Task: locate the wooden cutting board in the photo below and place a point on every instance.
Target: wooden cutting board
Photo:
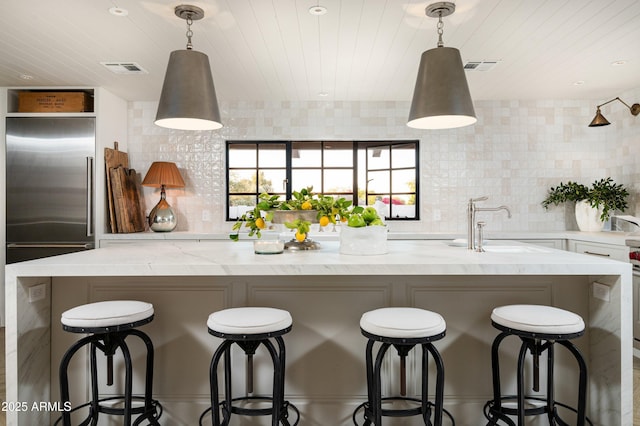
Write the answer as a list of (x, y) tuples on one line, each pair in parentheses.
[(128, 212), (112, 159)]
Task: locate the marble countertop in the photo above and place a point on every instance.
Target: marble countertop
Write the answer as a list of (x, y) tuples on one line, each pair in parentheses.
[(227, 258)]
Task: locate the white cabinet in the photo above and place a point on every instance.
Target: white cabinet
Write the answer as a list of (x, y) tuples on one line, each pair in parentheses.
[(609, 251)]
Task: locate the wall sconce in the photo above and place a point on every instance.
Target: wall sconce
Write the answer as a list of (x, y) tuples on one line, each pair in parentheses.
[(599, 119), (163, 175), (441, 98), (188, 98)]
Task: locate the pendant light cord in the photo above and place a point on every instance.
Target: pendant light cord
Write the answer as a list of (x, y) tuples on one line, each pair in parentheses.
[(189, 32), (440, 30)]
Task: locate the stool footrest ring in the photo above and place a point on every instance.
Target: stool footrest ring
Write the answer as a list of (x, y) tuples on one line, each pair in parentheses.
[(398, 412), (256, 411), (152, 415), (493, 416)]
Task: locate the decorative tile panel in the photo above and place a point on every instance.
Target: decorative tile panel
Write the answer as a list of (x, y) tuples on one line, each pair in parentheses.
[(514, 153)]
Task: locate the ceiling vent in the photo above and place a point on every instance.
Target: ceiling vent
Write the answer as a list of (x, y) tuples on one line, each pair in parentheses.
[(480, 66), (124, 68)]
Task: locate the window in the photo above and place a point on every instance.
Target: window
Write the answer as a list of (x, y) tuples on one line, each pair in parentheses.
[(380, 173)]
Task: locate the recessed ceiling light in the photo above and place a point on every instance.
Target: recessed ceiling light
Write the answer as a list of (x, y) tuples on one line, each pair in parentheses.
[(118, 11), (618, 63), (323, 94), (317, 10), (578, 83), (26, 77)]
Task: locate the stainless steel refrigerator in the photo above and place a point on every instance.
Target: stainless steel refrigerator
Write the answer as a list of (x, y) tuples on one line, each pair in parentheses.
[(50, 186)]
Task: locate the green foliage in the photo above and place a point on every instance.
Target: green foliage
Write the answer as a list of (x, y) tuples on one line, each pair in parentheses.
[(603, 192), (303, 226), (253, 219), (238, 185), (332, 207), (301, 200)]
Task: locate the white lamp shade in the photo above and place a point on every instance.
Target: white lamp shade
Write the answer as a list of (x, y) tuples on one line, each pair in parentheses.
[(188, 99), (441, 99)]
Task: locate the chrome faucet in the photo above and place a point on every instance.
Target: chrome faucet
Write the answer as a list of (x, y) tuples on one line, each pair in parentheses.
[(471, 218)]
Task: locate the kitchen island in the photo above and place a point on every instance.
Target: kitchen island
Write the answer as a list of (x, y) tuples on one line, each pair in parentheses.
[(326, 293)]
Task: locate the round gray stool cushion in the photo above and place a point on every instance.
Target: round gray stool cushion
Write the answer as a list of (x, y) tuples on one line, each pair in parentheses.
[(107, 314), (251, 320), (402, 323), (538, 319)]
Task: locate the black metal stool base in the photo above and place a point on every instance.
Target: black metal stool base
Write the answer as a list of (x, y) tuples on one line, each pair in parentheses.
[(108, 342), (252, 412), (407, 412), (373, 410), (151, 415), (536, 344), (494, 415), (221, 411)]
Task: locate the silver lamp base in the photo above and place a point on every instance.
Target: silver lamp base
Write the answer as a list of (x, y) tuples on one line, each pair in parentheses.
[(162, 218)]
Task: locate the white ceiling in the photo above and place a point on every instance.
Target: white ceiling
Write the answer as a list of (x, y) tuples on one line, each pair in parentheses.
[(361, 50)]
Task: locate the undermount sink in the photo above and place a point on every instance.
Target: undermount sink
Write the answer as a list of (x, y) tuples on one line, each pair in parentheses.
[(493, 247)]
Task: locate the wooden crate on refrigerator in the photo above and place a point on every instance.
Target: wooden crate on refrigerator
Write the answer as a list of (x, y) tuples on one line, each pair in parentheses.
[(55, 102)]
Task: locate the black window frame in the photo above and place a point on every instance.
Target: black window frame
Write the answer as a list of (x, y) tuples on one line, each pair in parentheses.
[(357, 145)]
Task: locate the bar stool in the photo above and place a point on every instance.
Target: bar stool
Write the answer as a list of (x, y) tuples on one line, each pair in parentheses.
[(402, 328), (249, 328), (108, 325), (539, 328)]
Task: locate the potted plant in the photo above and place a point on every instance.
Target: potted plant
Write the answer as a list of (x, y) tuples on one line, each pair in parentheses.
[(254, 219), (297, 214), (331, 209), (593, 205)]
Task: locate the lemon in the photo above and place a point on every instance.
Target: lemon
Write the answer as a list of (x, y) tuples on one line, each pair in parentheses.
[(260, 223), (300, 236), (324, 221), (306, 205)]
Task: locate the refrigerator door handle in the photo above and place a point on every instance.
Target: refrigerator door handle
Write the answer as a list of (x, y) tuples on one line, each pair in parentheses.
[(20, 245), (90, 173)]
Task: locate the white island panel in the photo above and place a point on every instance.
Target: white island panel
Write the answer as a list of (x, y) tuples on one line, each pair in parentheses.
[(326, 293)]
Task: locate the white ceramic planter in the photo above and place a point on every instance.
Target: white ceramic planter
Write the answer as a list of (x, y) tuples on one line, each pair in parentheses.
[(588, 218), (368, 240)]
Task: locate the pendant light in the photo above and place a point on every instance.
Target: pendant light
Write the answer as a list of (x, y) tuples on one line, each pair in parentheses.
[(441, 98), (599, 119), (188, 98)]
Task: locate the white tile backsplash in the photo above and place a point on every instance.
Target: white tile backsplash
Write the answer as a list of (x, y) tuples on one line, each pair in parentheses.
[(514, 153)]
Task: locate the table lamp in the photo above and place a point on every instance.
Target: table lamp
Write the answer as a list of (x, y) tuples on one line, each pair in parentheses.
[(163, 174)]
